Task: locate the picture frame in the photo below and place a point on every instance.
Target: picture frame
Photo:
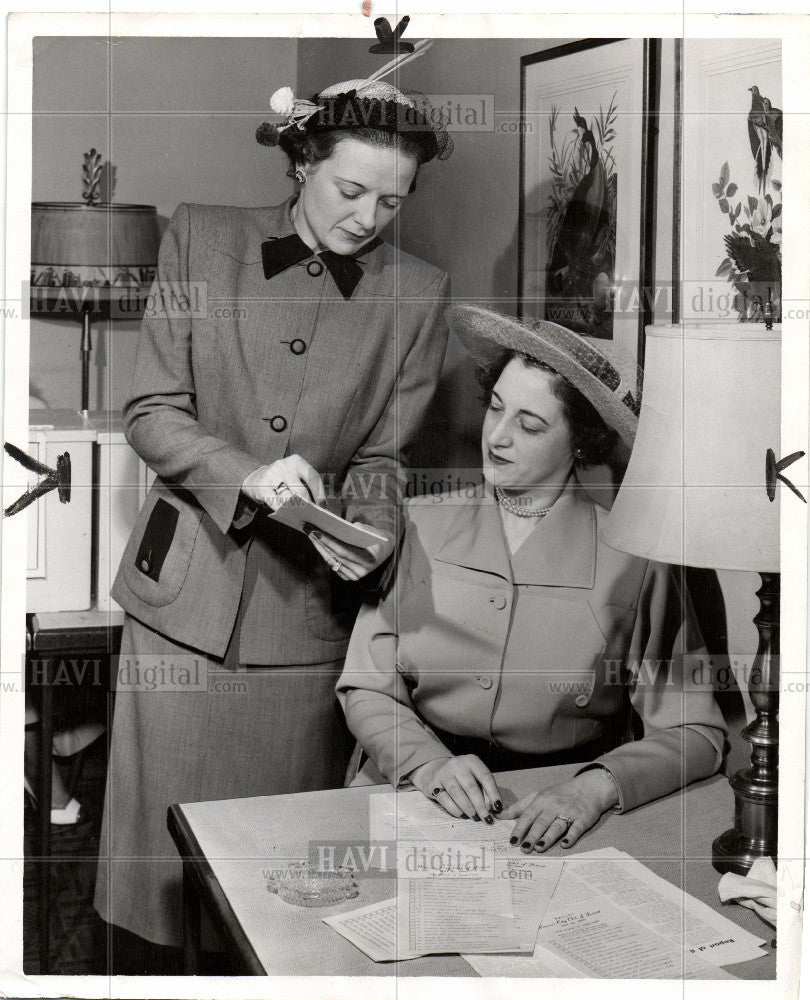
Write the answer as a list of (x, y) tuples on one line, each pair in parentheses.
[(729, 198), (589, 111)]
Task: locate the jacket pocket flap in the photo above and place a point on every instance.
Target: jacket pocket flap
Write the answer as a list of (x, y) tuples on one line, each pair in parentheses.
[(157, 539)]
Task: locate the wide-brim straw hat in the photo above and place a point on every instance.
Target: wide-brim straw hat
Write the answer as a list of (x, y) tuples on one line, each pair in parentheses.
[(603, 372)]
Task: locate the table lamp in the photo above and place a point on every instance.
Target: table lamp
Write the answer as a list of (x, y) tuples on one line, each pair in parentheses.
[(701, 490), (92, 259)]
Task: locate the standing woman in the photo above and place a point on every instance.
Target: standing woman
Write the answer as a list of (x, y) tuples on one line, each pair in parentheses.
[(311, 366)]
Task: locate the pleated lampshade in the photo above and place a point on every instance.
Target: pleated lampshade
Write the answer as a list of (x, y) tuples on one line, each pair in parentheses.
[(92, 259), (99, 246), (696, 491)]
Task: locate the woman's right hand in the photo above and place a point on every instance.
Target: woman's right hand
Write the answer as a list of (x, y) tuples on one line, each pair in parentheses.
[(267, 484), (463, 786)]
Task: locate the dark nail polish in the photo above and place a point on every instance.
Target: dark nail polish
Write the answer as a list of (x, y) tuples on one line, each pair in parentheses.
[(525, 846), (464, 816), (436, 791), (513, 841), (498, 806), (489, 819), (477, 819), (541, 843)]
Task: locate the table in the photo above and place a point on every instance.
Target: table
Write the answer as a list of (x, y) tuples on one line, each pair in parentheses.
[(227, 848), (79, 645)]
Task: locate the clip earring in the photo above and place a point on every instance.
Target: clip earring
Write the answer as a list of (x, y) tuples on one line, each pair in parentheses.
[(300, 176)]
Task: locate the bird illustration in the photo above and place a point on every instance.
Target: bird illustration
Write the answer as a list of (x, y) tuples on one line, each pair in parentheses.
[(586, 216), (754, 256), (388, 39), (772, 122), (580, 271), (764, 133)]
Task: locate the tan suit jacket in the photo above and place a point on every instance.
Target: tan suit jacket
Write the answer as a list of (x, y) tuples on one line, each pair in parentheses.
[(254, 370), (540, 653)]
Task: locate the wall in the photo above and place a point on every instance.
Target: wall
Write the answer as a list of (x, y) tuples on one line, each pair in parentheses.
[(176, 117)]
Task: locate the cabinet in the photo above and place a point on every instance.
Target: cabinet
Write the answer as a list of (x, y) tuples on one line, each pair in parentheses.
[(59, 576), (74, 548)]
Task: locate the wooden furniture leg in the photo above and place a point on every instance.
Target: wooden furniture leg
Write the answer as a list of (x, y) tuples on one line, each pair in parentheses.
[(192, 941)]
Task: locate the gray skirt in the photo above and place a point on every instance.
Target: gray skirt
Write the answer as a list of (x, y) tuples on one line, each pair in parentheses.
[(186, 729)]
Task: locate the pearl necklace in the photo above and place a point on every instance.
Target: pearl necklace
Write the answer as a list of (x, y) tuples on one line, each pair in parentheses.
[(519, 509)]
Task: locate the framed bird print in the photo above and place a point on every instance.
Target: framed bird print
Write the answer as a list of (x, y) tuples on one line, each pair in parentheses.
[(731, 202), (586, 164)]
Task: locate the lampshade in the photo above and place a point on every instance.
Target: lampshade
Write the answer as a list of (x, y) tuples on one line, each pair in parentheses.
[(99, 246), (695, 492)]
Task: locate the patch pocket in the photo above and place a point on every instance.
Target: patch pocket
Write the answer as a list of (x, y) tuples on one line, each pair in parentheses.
[(156, 560)]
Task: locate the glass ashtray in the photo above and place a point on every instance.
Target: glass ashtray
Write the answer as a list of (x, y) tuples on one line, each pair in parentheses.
[(301, 885)]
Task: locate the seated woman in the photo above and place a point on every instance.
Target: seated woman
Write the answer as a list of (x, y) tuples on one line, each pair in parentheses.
[(512, 637)]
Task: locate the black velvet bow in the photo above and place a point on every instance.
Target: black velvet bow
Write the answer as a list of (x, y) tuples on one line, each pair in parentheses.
[(279, 254)]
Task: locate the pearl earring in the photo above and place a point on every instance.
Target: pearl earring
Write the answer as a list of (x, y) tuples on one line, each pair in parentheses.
[(300, 176)]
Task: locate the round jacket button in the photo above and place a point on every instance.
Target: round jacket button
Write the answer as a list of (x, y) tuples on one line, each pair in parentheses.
[(499, 601), (278, 423), (298, 346), (484, 681), (581, 700), (315, 268)]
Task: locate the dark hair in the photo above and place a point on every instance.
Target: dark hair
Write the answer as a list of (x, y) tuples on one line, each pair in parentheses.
[(385, 122), (592, 441), (315, 147)]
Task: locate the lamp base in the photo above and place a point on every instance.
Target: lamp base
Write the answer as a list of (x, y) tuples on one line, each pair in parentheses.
[(756, 790), (731, 852), (754, 834)]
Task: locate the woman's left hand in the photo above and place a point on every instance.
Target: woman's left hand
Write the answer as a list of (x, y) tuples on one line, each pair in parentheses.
[(348, 561), (563, 812)]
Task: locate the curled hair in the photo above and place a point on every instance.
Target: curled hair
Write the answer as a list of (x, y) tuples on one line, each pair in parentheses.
[(409, 125), (592, 440), (310, 148)]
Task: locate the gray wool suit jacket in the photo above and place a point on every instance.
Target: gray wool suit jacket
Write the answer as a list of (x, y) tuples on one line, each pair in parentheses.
[(238, 371)]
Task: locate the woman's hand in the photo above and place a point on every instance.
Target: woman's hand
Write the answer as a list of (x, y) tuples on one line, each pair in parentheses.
[(269, 484), (348, 561), (563, 811), (463, 786)]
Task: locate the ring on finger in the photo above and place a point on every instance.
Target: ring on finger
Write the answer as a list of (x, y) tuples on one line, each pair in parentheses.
[(337, 565), (544, 839)]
